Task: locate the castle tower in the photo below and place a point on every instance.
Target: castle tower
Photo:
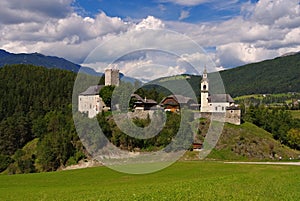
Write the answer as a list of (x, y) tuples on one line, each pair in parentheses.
[(112, 77), (204, 92)]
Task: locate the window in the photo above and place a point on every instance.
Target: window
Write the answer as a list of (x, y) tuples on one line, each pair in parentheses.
[(223, 108), (216, 108)]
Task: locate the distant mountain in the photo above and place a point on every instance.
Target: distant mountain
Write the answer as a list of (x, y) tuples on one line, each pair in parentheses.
[(289, 54), (279, 75), (37, 59)]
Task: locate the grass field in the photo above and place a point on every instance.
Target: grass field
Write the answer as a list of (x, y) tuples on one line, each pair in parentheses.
[(182, 181), (295, 113)]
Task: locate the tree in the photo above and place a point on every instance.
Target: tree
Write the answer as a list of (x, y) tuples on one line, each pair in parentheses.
[(293, 138), (106, 94)]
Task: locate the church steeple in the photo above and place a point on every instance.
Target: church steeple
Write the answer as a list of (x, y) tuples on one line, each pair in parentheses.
[(204, 92), (204, 75), (204, 81)]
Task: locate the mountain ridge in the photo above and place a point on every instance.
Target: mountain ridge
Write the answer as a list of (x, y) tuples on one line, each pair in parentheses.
[(278, 75), (37, 59)]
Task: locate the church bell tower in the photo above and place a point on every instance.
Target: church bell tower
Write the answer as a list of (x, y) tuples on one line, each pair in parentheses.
[(204, 92)]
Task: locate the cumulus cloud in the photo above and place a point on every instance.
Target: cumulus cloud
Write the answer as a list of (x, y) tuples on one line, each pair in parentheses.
[(15, 11), (148, 54), (264, 30), (150, 23), (72, 37), (240, 53), (184, 14), (269, 12)]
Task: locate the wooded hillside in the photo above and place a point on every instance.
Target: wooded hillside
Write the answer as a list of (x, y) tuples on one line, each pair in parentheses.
[(279, 75), (36, 103)]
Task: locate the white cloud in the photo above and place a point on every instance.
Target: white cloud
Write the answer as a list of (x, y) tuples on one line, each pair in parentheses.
[(184, 14), (265, 30), (15, 11), (241, 53), (150, 23), (268, 12), (68, 37)]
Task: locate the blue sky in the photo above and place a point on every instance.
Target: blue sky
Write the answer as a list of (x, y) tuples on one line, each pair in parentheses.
[(228, 33), (165, 10)]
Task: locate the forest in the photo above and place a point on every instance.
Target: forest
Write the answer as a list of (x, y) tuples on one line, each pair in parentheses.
[(36, 104), (278, 121)]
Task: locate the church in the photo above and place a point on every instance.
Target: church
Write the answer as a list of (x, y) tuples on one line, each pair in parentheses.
[(218, 104)]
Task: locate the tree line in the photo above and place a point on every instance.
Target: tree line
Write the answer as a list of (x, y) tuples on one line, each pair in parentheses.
[(278, 121)]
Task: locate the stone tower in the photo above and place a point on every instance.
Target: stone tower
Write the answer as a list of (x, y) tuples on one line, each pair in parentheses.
[(112, 77), (204, 92)]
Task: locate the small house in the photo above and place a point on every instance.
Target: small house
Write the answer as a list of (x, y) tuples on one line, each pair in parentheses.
[(173, 103), (140, 103)]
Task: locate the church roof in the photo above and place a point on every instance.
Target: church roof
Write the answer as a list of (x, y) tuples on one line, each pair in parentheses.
[(92, 90), (220, 98)]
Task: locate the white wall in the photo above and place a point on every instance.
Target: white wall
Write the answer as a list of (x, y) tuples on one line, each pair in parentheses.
[(218, 107), (91, 104)]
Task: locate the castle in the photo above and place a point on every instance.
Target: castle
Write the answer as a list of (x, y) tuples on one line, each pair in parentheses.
[(90, 102)]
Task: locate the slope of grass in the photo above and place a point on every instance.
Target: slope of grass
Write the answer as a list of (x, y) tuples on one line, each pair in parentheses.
[(295, 114), (249, 142), (181, 181)]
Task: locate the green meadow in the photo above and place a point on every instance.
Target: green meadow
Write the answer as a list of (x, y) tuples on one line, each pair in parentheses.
[(295, 114), (191, 180)]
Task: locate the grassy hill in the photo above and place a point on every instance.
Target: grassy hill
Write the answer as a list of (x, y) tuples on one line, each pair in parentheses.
[(181, 181), (295, 114), (249, 142)]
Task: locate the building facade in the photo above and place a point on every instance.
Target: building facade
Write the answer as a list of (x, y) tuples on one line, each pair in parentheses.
[(90, 102)]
